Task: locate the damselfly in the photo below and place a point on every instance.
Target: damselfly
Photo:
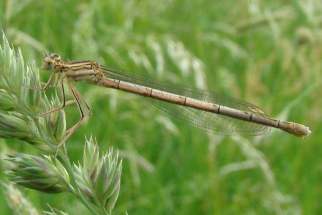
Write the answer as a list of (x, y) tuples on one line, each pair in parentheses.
[(202, 109)]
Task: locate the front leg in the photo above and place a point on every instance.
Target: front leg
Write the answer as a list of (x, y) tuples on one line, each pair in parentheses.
[(49, 82), (64, 100)]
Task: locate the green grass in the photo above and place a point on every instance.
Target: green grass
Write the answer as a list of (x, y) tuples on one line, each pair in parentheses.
[(266, 53)]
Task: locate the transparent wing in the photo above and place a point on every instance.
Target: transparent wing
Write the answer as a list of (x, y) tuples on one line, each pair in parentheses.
[(210, 122)]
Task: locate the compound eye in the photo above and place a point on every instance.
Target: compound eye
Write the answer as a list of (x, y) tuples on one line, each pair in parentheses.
[(47, 65), (55, 56)]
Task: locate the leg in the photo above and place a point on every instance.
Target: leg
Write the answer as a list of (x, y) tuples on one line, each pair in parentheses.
[(64, 101), (83, 115), (44, 87), (50, 80)]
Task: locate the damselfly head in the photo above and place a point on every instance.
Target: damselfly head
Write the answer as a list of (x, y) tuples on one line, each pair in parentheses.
[(50, 60)]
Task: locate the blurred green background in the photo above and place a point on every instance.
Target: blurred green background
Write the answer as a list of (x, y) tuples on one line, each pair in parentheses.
[(265, 52)]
